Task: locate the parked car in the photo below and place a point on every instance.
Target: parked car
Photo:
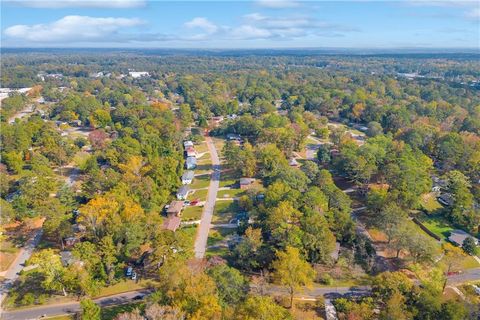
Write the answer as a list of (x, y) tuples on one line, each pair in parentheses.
[(129, 271), (186, 203), (194, 202), (134, 275)]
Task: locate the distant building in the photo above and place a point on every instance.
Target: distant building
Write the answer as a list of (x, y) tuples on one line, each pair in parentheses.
[(76, 123), (293, 162), (172, 223), (183, 192), (246, 183), (191, 163), (187, 177), (234, 137), (458, 236), (138, 74)]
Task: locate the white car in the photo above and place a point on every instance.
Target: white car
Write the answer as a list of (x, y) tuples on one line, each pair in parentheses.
[(134, 275)]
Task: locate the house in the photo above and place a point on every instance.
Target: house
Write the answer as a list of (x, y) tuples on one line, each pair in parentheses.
[(76, 123), (187, 177), (293, 162), (446, 199), (183, 192), (191, 152), (458, 236), (68, 259), (138, 74), (172, 223), (191, 163), (246, 183), (234, 137), (187, 144), (175, 208)]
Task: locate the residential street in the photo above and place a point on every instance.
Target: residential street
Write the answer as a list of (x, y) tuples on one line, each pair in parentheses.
[(69, 307), (12, 273), (204, 227)]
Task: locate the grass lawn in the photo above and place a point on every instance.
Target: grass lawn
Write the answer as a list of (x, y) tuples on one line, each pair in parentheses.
[(122, 286), (229, 179), (201, 147), (64, 317), (189, 233), (199, 182), (222, 252), (219, 234), (198, 194), (8, 253), (231, 193), (192, 213), (436, 224), (224, 211), (429, 202), (111, 312)]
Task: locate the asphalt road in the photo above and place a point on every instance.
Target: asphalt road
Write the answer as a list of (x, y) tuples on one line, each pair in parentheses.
[(12, 273), (204, 227), (69, 307)]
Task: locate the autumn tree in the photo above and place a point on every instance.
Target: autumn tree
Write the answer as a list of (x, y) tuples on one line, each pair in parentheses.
[(292, 271)]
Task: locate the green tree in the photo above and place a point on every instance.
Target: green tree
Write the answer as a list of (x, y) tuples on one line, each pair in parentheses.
[(89, 310), (231, 284), (469, 246)]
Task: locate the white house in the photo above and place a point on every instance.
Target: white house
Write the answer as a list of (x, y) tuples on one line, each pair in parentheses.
[(187, 177), (138, 74)]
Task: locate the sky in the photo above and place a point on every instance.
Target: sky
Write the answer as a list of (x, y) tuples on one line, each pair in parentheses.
[(240, 24)]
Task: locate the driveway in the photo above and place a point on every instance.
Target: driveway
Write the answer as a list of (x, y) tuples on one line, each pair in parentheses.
[(204, 227)]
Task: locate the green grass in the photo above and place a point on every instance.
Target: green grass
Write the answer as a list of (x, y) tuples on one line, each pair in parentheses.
[(224, 211), (201, 148), (189, 233), (122, 286), (199, 182), (199, 194), (192, 213), (222, 252), (231, 193), (429, 202), (437, 225), (218, 234), (228, 179), (111, 312)]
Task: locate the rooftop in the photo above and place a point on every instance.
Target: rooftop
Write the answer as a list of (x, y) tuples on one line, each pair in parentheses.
[(175, 207)]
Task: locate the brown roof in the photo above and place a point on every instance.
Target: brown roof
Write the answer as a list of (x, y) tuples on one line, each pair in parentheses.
[(172, 223), (175, 207)]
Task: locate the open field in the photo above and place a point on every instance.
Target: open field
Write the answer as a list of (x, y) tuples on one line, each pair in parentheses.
[(429, 202), (230, 193), (436, 224), (200, 182)]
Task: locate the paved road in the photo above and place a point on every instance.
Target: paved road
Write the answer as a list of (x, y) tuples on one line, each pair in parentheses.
[(12, 273), (465, 276), (204, 228), (69, 307)]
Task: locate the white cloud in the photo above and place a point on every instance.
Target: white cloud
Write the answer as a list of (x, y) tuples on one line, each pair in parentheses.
[(278, 4), (246, 32), (73, 29), (79, 3), (203, 24)]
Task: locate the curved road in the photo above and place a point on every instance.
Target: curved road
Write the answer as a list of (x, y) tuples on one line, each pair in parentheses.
[(204, 227)]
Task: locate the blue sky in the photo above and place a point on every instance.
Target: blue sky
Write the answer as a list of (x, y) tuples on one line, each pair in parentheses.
[(241, 24)]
